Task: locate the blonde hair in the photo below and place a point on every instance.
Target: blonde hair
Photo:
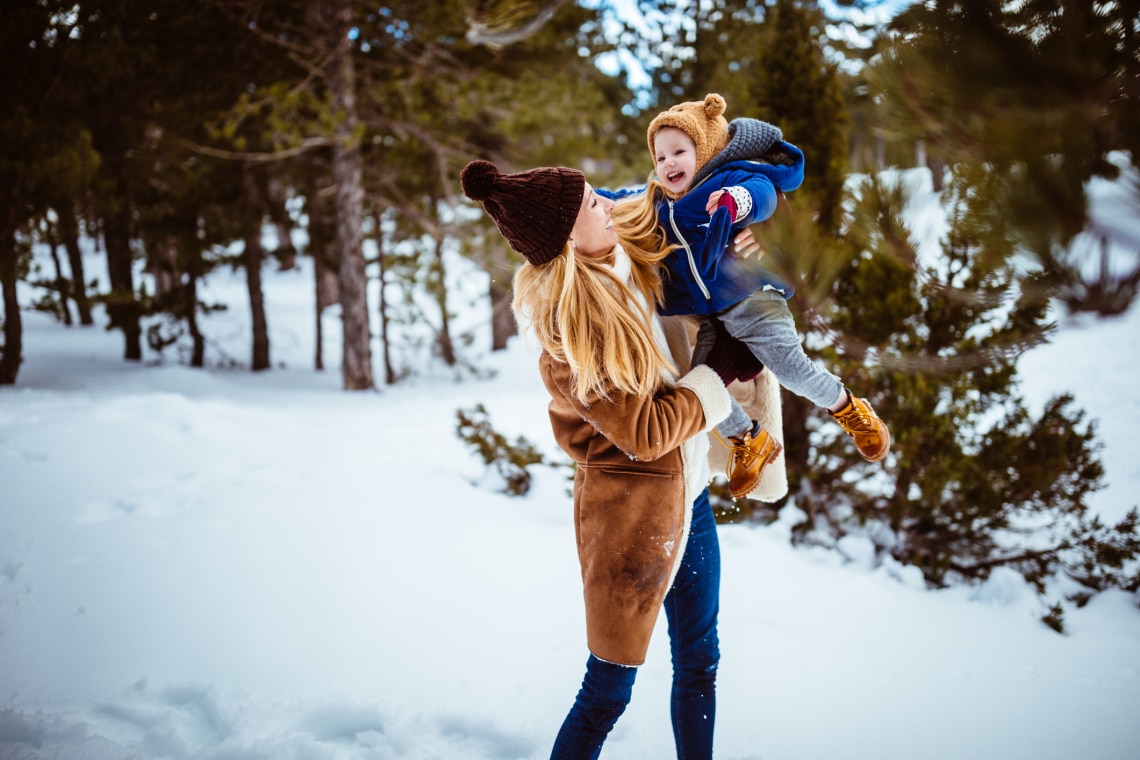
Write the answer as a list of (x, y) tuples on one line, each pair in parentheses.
[(635, 220), (582, 314)]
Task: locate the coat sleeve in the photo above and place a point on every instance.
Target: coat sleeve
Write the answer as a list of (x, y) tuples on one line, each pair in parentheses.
[(721, 227), (763, 194), (617, 195), (644, 428)]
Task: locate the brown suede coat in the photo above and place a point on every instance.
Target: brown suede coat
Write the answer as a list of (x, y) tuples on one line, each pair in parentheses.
[(630, 510)]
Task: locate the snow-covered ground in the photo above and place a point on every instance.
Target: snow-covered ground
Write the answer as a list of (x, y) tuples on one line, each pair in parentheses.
[(218, 565)]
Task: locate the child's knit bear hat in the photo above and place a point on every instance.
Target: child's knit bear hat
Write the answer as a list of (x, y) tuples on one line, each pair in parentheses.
[(702, 120)]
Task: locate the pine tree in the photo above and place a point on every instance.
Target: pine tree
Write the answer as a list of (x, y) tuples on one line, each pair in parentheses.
[(770, 60), (974, 480), (69, 238), (1045, 92), (46, 148), (116, 70), (796, 88), (774, 57), (540, 100)]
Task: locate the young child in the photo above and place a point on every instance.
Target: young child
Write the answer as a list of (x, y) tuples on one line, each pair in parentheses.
[(713, 178)]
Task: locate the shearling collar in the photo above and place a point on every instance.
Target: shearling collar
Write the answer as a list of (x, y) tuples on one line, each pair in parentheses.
[(621, 266)]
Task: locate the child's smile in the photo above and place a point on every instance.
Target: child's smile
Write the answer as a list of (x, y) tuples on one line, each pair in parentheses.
[(676, 155)]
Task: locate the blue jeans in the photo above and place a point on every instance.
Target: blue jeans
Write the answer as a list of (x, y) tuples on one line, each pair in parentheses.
[(691, 610)]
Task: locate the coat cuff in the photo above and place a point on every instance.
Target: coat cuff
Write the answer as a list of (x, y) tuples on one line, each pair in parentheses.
[(710, 391), (743, 201)]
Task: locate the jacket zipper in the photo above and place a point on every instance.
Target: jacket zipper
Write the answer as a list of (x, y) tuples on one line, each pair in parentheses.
[(689, 253)]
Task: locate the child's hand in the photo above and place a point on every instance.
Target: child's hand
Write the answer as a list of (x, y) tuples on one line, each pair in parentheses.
[(714, 201), (722, 199)]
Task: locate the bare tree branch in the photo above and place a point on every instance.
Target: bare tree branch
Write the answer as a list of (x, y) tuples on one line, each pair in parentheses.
[(498, 31), (262, 157)]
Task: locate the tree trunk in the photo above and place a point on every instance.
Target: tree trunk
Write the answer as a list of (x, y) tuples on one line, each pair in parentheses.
[(796, 410), (389, 372), (321, 233), (13, 329), (123, 308), (198, 341), (286, 253), (60, 281), (328, 290), (163, 267), (937, 173), (347, 170), (190, 303), (446, 347), (252, 257), (69, 233), (502, 318)]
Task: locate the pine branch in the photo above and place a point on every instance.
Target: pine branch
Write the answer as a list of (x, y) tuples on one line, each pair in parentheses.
[(1039, 556), (999, 351)]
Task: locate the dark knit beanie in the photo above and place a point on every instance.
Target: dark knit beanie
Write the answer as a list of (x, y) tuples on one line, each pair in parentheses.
[(535, 210), (702, 120)]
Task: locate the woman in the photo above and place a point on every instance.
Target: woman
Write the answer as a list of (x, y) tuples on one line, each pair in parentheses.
[(643, 522)]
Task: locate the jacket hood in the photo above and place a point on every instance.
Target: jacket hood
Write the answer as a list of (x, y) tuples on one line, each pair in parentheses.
[(748, 139)]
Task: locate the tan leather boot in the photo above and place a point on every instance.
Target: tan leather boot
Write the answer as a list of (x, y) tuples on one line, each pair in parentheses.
[(747, 460), (861, 423)]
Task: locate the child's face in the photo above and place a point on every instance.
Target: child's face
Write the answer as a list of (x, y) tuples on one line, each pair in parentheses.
[(676, 159)]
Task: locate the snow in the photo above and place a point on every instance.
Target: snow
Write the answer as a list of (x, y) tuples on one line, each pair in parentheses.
[(217, 565)]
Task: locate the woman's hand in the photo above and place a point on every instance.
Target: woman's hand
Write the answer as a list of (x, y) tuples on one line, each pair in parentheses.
[(744, 245)]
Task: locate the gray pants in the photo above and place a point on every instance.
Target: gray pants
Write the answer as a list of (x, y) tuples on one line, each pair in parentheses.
[(765, 324)]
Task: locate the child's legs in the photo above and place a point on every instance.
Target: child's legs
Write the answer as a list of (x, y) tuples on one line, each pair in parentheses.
[(706, 338), (738, 422), (765, 324), (606, 690)]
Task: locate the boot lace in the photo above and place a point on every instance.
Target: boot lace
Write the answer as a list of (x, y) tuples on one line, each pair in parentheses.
[(739, 452), (856, 419)]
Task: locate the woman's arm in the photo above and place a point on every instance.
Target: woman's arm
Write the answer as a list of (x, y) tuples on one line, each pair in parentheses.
[(644, 428)]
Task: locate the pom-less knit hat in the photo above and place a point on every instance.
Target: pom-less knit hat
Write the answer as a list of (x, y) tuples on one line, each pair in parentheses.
[(702, 120), (535, 210)]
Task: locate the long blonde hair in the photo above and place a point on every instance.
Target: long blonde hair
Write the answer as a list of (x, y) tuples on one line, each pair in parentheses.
[(582, 314), (635, 219)]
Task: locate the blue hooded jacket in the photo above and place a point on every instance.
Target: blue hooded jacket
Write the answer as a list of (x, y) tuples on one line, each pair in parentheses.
[(702, 277)]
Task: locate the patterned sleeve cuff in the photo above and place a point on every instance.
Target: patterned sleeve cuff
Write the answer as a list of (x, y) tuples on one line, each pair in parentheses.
[(743, 202)]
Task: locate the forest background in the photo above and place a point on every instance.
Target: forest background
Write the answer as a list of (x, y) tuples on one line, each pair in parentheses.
[(174, 135)]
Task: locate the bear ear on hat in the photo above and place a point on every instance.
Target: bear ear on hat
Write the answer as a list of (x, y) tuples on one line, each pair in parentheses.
[(714, 105)]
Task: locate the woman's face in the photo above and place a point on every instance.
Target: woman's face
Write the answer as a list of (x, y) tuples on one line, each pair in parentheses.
[(593, 234), (676, 159)]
